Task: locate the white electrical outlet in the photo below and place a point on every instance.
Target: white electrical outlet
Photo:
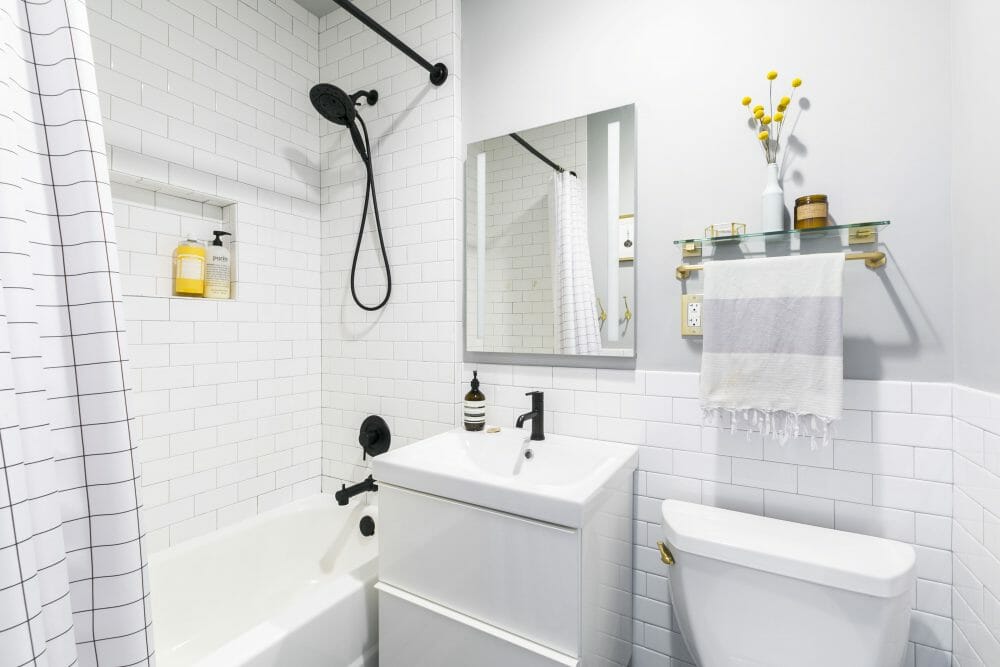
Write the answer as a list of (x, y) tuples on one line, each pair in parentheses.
[(691, 308), (694, 314)]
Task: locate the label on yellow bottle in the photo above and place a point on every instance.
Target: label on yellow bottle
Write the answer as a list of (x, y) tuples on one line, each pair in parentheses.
[(190, 267)]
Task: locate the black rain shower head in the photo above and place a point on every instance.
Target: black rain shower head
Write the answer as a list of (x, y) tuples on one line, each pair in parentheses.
[(341, 109), (337, 106)]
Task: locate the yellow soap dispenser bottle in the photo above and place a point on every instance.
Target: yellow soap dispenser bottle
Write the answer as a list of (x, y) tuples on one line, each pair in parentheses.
[(189, 268)]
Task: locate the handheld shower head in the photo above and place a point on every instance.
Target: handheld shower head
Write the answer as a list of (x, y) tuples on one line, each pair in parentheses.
[(333, 104), (337, 106), (341, 109)]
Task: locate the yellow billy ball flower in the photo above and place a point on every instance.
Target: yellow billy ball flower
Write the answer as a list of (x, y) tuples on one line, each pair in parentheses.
[(763, 135), (785, 101), (766, 120), (796, 82), (781, 108), (758, 114), (746, 101), (772, 75), (778, 117)]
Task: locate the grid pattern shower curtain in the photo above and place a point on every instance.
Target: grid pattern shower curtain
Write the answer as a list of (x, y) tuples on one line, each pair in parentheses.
[(73, 587), (573, 296)]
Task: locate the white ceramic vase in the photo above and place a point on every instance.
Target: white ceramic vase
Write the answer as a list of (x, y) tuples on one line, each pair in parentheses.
[(772, 202)]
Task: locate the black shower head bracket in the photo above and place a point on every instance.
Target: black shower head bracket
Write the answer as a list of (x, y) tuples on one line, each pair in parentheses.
[(371, 96)]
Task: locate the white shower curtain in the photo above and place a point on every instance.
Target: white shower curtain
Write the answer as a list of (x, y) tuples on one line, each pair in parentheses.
[(73, 587), (576, 329)]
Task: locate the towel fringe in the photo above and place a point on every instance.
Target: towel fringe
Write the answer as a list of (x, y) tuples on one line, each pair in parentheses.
[(781, 425)]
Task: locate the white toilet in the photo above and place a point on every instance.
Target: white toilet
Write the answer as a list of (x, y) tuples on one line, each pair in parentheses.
[(748, 590)]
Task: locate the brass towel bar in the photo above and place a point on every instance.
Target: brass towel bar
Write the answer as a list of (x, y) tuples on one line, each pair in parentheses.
[(873, 260)]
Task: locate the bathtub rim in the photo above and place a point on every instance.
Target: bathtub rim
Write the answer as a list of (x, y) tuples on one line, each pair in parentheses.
[(318, 499), (257, 639)]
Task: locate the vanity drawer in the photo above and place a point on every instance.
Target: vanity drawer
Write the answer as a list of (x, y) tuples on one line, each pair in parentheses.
[(414, 632), (516, 574)]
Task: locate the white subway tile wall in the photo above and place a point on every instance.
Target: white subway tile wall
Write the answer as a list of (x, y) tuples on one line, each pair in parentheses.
[(400, 362), (858, 483), (212, 96), (976, 589)]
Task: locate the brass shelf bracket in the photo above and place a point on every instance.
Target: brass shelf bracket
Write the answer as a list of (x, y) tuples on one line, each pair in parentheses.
[(862, 235), (691, 249), (873, 260)]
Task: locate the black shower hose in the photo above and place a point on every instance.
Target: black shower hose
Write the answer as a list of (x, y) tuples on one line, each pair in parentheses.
[(366, 157)]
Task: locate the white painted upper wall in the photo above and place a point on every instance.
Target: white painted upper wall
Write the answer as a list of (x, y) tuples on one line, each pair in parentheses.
[(876, 77), (976, 142)]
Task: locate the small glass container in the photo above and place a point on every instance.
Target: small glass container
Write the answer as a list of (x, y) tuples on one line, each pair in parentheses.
[(811, 211), (724, 230)]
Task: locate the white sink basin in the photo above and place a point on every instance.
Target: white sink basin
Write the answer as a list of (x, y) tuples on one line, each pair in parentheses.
[(557, 481)]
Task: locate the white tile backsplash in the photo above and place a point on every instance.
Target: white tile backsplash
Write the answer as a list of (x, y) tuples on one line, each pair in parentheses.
[(976, 529)]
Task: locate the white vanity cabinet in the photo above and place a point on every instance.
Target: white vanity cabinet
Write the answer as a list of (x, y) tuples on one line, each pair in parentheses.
[(462, 584)]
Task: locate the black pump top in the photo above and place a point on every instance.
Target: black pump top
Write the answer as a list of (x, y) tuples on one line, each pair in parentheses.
[(218, 237), (475, 381)]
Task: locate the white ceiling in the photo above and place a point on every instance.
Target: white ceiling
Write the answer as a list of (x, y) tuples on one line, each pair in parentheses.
[(318, 7)]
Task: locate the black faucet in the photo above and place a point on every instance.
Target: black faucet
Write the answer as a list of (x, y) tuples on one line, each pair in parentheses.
[(537, 415), (348, 492)]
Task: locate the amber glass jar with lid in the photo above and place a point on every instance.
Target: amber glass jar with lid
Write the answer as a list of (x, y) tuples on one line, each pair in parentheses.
[(811, 211)]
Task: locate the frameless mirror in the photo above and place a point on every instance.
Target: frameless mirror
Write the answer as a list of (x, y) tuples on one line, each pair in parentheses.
[(550, 243)]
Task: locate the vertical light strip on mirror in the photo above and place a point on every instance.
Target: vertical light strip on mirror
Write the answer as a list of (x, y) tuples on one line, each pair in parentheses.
[(481, 245), (614, 142)]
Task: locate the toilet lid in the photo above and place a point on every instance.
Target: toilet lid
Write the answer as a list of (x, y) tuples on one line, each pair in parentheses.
[(860, 563)]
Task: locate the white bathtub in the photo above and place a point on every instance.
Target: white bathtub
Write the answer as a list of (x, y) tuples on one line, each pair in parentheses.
[(293, 586)]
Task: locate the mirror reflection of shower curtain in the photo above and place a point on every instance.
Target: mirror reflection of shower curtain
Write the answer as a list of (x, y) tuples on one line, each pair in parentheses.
[(573, 296)]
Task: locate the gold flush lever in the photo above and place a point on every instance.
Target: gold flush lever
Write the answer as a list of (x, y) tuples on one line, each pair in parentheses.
[(665, 555)]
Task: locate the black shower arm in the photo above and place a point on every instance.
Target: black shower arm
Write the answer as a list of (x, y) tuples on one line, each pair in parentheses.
[(439, 72)]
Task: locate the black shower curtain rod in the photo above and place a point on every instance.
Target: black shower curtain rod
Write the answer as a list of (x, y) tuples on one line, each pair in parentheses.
[(439, 72), (534, 151)]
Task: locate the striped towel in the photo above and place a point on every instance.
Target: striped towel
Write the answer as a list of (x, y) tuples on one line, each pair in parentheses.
[(773, 344)]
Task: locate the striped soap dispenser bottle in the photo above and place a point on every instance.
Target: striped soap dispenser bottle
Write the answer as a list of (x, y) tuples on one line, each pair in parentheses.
[(474, 408)]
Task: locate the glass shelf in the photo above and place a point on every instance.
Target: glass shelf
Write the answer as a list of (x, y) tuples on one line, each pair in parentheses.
[(817, 232), (859, 233)]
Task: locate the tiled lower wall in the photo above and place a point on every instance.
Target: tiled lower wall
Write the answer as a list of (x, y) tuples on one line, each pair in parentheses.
[(976, 596), (888, 473)]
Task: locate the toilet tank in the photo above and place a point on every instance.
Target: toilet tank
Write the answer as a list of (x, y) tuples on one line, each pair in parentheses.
[(750, 590)]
